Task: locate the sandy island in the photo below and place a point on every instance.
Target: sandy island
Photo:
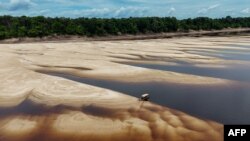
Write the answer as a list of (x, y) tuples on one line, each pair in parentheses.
[(120, 117)]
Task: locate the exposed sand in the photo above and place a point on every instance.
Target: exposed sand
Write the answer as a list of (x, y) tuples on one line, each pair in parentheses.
[(123, 117)]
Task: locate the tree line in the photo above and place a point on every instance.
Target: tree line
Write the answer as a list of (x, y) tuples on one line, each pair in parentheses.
[(17, 27)]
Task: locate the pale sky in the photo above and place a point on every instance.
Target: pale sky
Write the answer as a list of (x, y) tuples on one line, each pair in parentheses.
[(126, 8)]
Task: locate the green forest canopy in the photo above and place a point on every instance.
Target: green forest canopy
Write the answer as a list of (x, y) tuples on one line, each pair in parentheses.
[(14, 27)]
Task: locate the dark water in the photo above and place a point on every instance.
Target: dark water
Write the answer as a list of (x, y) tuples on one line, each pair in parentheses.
[(237, 45), (225, 104), (28, 108), (223, 54), (227, 53), (231, 72)]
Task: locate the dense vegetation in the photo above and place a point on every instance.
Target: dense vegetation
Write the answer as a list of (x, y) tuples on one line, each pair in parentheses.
[(42, 26)]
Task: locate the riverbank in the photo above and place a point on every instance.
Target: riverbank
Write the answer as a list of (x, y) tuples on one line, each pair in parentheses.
[(68, 38)]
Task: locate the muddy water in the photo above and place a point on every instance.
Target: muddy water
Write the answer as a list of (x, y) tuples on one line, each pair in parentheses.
[(45, 118), (224, 104), (28, 108)]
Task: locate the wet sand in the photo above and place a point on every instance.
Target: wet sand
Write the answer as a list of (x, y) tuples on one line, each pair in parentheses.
[(206, 102), (66, 109)]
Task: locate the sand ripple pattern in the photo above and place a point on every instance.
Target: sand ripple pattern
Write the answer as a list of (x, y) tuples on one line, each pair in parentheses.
[(35, 106)]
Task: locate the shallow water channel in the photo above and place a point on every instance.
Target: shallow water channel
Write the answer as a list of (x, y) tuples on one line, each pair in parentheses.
[(228, 104), (224, 104)]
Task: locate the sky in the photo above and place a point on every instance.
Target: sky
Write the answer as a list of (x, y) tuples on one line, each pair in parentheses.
[(126, 8)]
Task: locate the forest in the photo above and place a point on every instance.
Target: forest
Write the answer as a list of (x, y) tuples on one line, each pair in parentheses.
[(18, 27)]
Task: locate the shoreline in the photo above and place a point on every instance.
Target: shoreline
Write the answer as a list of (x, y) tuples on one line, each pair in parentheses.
[(79, 104), (70, 38)]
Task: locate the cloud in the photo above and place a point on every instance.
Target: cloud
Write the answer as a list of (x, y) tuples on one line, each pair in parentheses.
[(103, 12), (246, 11), (130, 12), (208, 9), (171, 11), (213, 6), (15, 5), (120, 12), (44, 11)]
